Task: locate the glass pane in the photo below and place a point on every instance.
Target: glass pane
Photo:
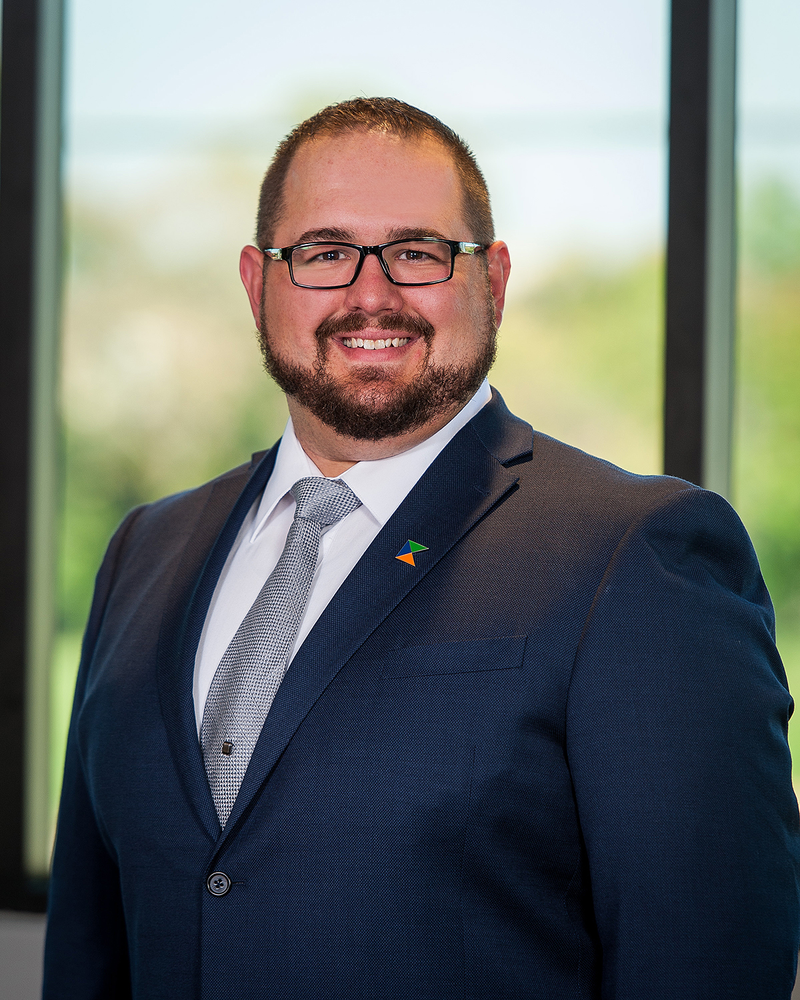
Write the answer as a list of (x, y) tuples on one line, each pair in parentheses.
[(767, 468), (169, 133)]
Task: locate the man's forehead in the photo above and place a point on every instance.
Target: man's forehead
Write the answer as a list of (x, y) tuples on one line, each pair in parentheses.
[(374, 174), (370, 146)]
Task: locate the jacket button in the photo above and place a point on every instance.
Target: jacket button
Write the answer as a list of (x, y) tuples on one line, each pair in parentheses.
[(218, 884)]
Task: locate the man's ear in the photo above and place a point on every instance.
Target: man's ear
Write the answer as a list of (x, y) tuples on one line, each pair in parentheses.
[(251, 269), (499, 261)]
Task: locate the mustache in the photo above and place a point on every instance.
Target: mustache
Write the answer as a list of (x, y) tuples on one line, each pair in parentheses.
[(394, 323)]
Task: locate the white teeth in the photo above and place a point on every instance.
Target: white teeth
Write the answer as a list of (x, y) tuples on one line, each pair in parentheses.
[(375, 345)]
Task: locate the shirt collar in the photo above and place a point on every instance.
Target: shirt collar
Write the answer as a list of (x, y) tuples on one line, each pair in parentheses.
[(380, 485)]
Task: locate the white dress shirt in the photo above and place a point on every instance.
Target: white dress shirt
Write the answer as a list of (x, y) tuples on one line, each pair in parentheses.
[(381, 486)]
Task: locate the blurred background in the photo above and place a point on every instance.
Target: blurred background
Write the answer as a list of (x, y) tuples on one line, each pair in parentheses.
[(173, 110)]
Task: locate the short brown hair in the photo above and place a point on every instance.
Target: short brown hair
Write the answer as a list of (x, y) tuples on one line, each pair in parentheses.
[(376, 114)]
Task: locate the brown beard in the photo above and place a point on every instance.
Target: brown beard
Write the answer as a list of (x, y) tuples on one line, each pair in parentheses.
[(368, 406)]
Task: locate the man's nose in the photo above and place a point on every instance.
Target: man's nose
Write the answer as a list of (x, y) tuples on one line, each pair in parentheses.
[(372, 292)]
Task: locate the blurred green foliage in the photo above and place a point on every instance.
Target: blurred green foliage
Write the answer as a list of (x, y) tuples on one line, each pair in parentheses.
[(767, 452), (163, 387)]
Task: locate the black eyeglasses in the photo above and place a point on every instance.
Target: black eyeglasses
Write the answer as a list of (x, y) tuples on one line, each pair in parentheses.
[(421, 261)]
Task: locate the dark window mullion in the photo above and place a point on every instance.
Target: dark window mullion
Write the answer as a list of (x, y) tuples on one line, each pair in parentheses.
[(700, 276), (30, 210)]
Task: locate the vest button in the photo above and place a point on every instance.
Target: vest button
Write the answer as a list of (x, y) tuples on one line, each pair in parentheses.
[(218, 884)]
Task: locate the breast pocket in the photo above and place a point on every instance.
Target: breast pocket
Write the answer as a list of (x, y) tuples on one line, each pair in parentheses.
[(465, 657)]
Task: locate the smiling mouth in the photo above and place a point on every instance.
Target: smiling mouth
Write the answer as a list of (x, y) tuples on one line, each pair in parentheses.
[(375, 345)]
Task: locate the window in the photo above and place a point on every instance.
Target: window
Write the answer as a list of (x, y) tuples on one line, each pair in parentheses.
[(767, 427)]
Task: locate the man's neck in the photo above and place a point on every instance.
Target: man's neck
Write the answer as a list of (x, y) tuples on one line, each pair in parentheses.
[(333, 453)]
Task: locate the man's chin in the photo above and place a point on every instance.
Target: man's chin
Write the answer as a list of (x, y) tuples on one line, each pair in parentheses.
[(368, 408), (366, 378), (371, 402), (370, 405)]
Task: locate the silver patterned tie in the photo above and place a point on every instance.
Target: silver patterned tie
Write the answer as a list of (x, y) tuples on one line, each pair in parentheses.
[(255, 662)]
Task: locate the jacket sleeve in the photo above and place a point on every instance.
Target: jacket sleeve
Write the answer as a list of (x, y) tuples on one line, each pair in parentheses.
[(86, 953), (677, 744)]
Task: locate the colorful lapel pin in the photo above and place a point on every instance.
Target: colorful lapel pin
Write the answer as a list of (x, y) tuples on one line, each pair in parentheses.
[(406, 554)]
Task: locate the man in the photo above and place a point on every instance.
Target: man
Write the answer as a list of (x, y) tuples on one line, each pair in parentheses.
[(531, 741)]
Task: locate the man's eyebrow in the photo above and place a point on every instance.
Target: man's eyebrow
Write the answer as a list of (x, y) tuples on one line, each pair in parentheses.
[(338, 235), (324, 234), (414, 233)]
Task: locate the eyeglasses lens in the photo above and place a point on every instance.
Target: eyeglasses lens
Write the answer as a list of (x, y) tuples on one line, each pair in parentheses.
[(325, 265)]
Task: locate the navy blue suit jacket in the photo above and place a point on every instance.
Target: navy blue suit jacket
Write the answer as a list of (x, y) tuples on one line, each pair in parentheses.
[(547, 761)]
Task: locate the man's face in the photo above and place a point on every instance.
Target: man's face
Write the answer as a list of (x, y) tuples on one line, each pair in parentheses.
[(369, 189)]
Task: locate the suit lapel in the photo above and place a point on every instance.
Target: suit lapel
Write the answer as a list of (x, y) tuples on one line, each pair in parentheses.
[(208, 543), (461, 486)]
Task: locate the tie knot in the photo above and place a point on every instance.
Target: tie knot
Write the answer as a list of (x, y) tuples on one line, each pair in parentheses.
[(324, 501)]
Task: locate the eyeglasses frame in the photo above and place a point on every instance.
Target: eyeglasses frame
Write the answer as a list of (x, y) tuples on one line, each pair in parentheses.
[(456, 247)]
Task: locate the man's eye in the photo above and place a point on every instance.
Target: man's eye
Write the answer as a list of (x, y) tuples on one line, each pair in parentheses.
[(422, 254), (321, 255), (414, 256), (329, 256)]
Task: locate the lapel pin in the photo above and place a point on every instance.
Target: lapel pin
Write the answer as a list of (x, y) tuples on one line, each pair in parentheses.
[(406, 554)]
